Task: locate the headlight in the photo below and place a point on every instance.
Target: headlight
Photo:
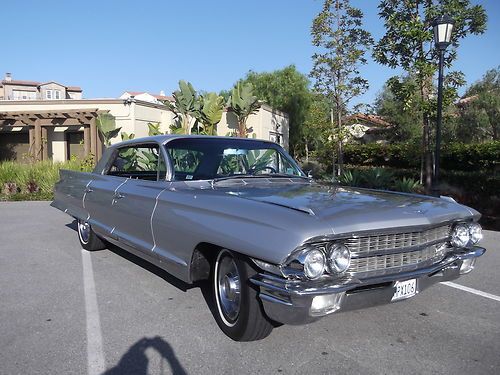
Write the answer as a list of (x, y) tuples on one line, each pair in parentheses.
[(314, 264), (339, 258), (475, 233), (460, 236)]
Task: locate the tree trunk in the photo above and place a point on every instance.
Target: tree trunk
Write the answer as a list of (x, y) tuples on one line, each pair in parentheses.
[(341, 155), (242, 129), (333, 135)]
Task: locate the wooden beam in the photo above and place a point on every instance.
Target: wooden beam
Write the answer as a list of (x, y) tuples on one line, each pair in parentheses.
[(31, 132), (45, 144), (58, 112), (38, 140), (86, 139), (93, 137), (99, 147)]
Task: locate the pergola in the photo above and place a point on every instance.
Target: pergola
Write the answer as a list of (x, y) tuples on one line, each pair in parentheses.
[(39, 121)]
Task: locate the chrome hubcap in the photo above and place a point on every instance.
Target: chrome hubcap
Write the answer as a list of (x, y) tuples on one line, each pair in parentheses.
[(229, 287), (84, 230)]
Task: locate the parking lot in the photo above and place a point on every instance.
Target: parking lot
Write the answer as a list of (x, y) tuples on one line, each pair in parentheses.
[(67, 311)]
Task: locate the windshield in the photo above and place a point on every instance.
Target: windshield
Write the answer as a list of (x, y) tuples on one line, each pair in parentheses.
[(210, 158)]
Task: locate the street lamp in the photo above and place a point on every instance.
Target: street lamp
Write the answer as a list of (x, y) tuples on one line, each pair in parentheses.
[(443, 26)]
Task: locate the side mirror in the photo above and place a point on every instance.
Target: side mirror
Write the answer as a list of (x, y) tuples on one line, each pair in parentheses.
[(309, 174)]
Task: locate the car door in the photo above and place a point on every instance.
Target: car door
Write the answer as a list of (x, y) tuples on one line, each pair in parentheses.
[(136, 199), (99, 197)]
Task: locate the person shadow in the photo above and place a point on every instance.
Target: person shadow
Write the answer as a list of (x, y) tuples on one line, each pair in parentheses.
[(136, 362)]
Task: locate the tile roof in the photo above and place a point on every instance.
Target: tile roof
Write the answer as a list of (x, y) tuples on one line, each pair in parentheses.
[(374, 119), (156, 96), (35, 83)]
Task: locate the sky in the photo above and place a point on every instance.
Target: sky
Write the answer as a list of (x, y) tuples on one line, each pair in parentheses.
[(107, 46)]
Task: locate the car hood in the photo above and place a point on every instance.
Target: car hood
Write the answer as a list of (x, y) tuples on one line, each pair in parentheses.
[(351, 209)]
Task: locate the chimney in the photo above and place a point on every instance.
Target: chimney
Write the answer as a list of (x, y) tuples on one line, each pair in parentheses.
[(8, 77)]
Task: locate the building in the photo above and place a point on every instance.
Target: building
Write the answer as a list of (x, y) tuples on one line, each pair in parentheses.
[(57, 129), (365, 128), (29, 90), (147, 97)]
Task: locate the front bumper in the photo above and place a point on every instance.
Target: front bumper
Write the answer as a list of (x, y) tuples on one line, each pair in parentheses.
[(289, 301)]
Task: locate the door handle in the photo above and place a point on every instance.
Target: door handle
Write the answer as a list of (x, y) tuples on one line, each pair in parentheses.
[(88, 190), (118, 196)]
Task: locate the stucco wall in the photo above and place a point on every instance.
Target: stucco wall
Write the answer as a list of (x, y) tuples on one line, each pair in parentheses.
[(265, 124), (134, 116)]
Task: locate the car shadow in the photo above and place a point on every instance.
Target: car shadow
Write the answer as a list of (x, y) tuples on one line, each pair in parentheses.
[(136, 362)]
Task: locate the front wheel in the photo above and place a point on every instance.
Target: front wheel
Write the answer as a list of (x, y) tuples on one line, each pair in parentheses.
[(88, 239), (238, 309)]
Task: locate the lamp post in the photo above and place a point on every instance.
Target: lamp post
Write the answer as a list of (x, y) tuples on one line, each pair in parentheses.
[(443, 27)]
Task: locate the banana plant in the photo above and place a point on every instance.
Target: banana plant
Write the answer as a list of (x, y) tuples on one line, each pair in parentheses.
[(106, 125), (154, 128), (125, 136), (210, 114), (186, 106), (243, 103)]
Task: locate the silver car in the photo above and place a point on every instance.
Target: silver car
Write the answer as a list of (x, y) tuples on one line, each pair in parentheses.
[(275, 246)]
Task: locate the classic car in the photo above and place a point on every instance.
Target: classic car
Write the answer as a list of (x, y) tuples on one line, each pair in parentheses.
[(275, 246)]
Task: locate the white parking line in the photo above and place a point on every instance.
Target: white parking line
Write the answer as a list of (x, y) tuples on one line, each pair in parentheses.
[(95, 354), (471, 290)]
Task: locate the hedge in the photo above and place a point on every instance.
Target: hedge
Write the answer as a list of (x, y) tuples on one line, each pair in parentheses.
[(34, 181), (454, 156)]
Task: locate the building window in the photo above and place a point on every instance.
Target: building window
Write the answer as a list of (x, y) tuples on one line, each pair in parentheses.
[(23, 95), (53, 94)]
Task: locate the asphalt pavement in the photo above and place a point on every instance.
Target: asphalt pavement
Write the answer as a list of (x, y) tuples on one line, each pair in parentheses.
[(66, 311)]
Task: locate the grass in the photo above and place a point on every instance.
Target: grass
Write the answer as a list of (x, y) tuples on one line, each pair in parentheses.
[(34, 181)]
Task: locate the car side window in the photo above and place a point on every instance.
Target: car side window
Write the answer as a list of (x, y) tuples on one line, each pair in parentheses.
[(185, 163), (139, 161)]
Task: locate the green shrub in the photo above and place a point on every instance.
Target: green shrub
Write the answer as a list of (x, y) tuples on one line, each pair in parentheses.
[(407, 185), (35, 181), (377, 178), (314, 168), (351, 178), (454, 156)]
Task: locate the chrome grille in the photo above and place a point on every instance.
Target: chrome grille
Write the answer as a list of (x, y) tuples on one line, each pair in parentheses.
[(393, 262), (363, 246), (391, 253)]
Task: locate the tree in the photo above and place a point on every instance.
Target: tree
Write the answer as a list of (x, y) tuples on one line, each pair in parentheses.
[(408, 43), (243, 103), (286, 90), (185, 107), (342, 44), (316, 128), (210, 114), (479, 111), (394, 106), (107, 127)]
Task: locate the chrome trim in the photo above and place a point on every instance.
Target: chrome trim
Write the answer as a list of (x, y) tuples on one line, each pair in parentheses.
[(288, 301), (396, 262), (378, 244), (340, 236)]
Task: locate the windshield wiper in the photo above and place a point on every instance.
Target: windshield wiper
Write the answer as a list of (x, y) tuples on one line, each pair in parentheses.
[(264, 175), (235, 176), (283, 175)]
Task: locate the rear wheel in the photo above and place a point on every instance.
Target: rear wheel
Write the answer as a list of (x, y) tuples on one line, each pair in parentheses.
[(238, 310), (88, 239)]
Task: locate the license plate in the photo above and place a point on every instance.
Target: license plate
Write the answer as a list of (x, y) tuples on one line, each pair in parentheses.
[(405, 289)]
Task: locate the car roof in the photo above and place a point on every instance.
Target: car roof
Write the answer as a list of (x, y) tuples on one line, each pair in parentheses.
[(162, 139)]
